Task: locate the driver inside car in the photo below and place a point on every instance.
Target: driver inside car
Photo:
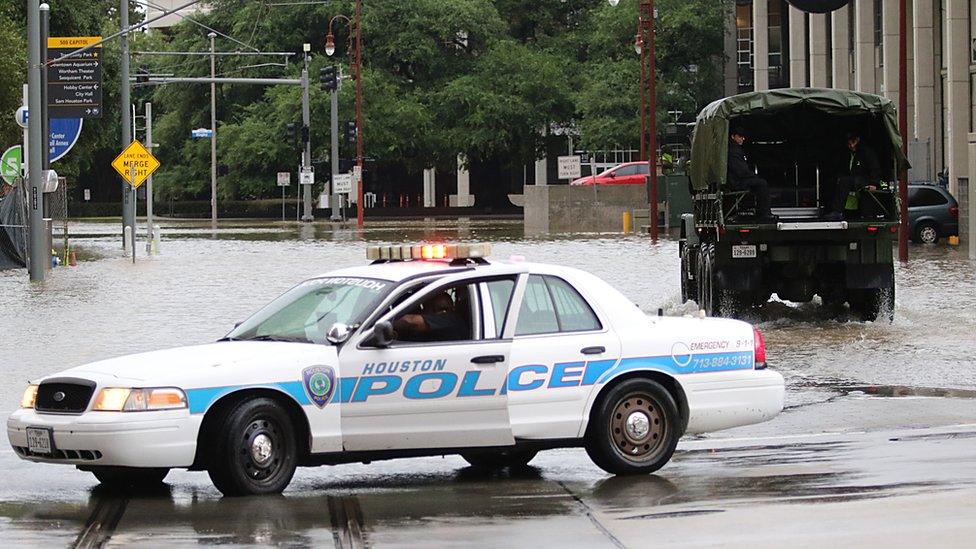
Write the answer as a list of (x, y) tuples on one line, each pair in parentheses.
[(438, 320)]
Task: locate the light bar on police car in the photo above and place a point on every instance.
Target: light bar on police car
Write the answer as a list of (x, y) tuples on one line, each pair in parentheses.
[(428, 251)]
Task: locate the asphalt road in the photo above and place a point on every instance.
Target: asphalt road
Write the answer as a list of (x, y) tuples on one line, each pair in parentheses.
[(812, 477)]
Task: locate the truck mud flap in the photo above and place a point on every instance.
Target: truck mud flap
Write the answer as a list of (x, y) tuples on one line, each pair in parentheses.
[(870, 275), (742, 276)]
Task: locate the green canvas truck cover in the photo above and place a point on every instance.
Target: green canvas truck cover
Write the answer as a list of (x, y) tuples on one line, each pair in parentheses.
[(710, 144)]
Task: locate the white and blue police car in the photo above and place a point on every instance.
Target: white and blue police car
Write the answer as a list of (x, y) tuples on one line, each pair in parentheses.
[(428, 350)]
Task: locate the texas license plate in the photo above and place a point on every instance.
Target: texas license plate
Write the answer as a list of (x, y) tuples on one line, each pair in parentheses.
[(743, 251), (40, 440)]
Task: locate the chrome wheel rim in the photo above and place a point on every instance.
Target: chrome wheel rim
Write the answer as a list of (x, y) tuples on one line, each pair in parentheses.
[(260, 454), (928, 234)]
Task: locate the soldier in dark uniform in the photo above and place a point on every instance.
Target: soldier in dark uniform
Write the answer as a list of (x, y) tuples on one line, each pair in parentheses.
[(860, 170), (742, 177)]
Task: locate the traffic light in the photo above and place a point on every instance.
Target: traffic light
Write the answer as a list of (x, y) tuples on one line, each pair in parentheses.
[(291, 134), (142, 76), (328, 78), (349, 135), (304, 134)]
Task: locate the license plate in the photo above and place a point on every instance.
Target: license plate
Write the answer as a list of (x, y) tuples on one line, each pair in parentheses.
[(743, 251), (40, 440)]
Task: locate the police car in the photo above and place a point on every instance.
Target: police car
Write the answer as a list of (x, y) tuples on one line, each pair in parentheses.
[(428, 350)]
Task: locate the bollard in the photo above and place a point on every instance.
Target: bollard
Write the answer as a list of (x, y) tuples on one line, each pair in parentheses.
[(626, 222), (953, 240), (127, 239)]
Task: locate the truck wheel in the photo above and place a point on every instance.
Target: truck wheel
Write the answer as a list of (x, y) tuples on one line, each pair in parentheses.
[(634, 429), (706, 285), (499, 459), (926, 233), (689, 286), (874, 303), (129, 477), (256, 451)]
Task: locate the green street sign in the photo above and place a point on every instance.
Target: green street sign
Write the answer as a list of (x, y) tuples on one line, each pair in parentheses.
[(10, 164)]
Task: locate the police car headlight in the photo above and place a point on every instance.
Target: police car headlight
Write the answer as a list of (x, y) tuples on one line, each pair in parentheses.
[(119, 399), (30, 395)]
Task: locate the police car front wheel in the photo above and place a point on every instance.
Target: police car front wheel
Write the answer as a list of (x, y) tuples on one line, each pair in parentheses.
[(256, 451), (634, 429)]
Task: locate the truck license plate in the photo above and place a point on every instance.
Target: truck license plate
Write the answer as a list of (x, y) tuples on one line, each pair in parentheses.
[(39, 440), (743, 251)]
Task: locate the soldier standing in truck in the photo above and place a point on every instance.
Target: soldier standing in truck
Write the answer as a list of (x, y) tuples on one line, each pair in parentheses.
[(860, 171), (741, 176)]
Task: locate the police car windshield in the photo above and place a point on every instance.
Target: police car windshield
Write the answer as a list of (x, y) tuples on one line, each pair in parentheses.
[(305, 313)]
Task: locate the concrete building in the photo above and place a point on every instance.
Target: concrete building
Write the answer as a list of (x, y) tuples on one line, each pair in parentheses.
[(772, 44)]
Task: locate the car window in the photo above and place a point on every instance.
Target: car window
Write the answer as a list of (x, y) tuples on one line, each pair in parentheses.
[(306, 312), (537, 314), (445, 315), (927, 197), (500, 293), (626, 170), (572, 311), (643, 168)]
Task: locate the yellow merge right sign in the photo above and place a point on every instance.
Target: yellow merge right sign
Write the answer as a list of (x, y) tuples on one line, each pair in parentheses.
[(138, 157)]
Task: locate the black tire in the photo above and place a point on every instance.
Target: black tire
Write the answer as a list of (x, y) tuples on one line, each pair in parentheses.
[(620, 442), (255, 451), (706, 285), (873, 304), (499, 459), (129, 478), (926, 232)]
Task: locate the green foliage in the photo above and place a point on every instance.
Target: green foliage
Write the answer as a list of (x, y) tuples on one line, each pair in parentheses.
[(441, 78)]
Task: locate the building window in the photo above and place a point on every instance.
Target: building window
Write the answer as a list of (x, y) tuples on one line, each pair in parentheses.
[(744, 49), (879, 32), (776, 48)]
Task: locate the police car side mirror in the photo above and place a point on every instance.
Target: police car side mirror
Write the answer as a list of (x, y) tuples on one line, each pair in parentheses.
[(382, 334), (338, 333)]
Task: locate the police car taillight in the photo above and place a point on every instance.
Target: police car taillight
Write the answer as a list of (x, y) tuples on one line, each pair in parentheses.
[(428, 251), (760, 360)]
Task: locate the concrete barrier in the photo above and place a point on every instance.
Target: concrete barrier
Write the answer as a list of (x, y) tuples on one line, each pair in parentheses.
[(594, 208)]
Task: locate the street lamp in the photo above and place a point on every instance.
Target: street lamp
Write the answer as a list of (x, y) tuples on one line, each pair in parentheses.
[(356, 65), (614, 2), (638, 44)]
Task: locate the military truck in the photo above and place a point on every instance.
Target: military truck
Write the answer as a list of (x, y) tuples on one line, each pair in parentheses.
[(732, 259)]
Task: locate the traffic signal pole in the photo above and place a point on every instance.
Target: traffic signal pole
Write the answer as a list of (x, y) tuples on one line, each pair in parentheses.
[(36, 149), (306, 143)]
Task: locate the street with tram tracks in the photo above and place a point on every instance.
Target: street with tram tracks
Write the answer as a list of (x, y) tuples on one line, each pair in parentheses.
[(876, 444)]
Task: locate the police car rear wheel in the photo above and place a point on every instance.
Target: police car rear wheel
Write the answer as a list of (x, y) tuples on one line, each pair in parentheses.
[(129, 477), (256, 452), (635, 428), (499, 459)]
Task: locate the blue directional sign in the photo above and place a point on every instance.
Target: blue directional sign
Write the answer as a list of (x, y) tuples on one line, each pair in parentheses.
[(201, 132), (64, 135)]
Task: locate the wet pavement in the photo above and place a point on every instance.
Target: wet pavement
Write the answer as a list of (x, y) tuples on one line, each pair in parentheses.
[(877, 444)]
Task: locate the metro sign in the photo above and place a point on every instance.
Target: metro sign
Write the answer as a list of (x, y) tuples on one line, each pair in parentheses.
[(818, 6)]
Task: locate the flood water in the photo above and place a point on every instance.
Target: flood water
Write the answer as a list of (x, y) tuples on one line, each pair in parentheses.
[(204, 280)]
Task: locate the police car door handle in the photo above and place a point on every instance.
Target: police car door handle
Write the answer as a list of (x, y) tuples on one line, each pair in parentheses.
[(488, 359), (598, 350)]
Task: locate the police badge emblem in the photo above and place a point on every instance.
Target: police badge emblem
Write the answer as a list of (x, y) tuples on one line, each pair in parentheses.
[(319, 382)]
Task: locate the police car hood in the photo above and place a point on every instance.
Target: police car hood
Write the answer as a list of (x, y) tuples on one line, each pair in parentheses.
[(202, 365)]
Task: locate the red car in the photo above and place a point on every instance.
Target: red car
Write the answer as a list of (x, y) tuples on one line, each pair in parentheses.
[(628, 173)]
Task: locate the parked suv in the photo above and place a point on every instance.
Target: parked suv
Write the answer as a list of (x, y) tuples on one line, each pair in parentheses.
[(932, 214)]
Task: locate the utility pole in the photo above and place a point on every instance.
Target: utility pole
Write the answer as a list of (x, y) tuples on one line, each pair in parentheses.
[(334, 146), (213, 133), (150, 230), (45, 119), (36, 150), (645, 48), (128, 194), (359, 112), (306, 140)]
